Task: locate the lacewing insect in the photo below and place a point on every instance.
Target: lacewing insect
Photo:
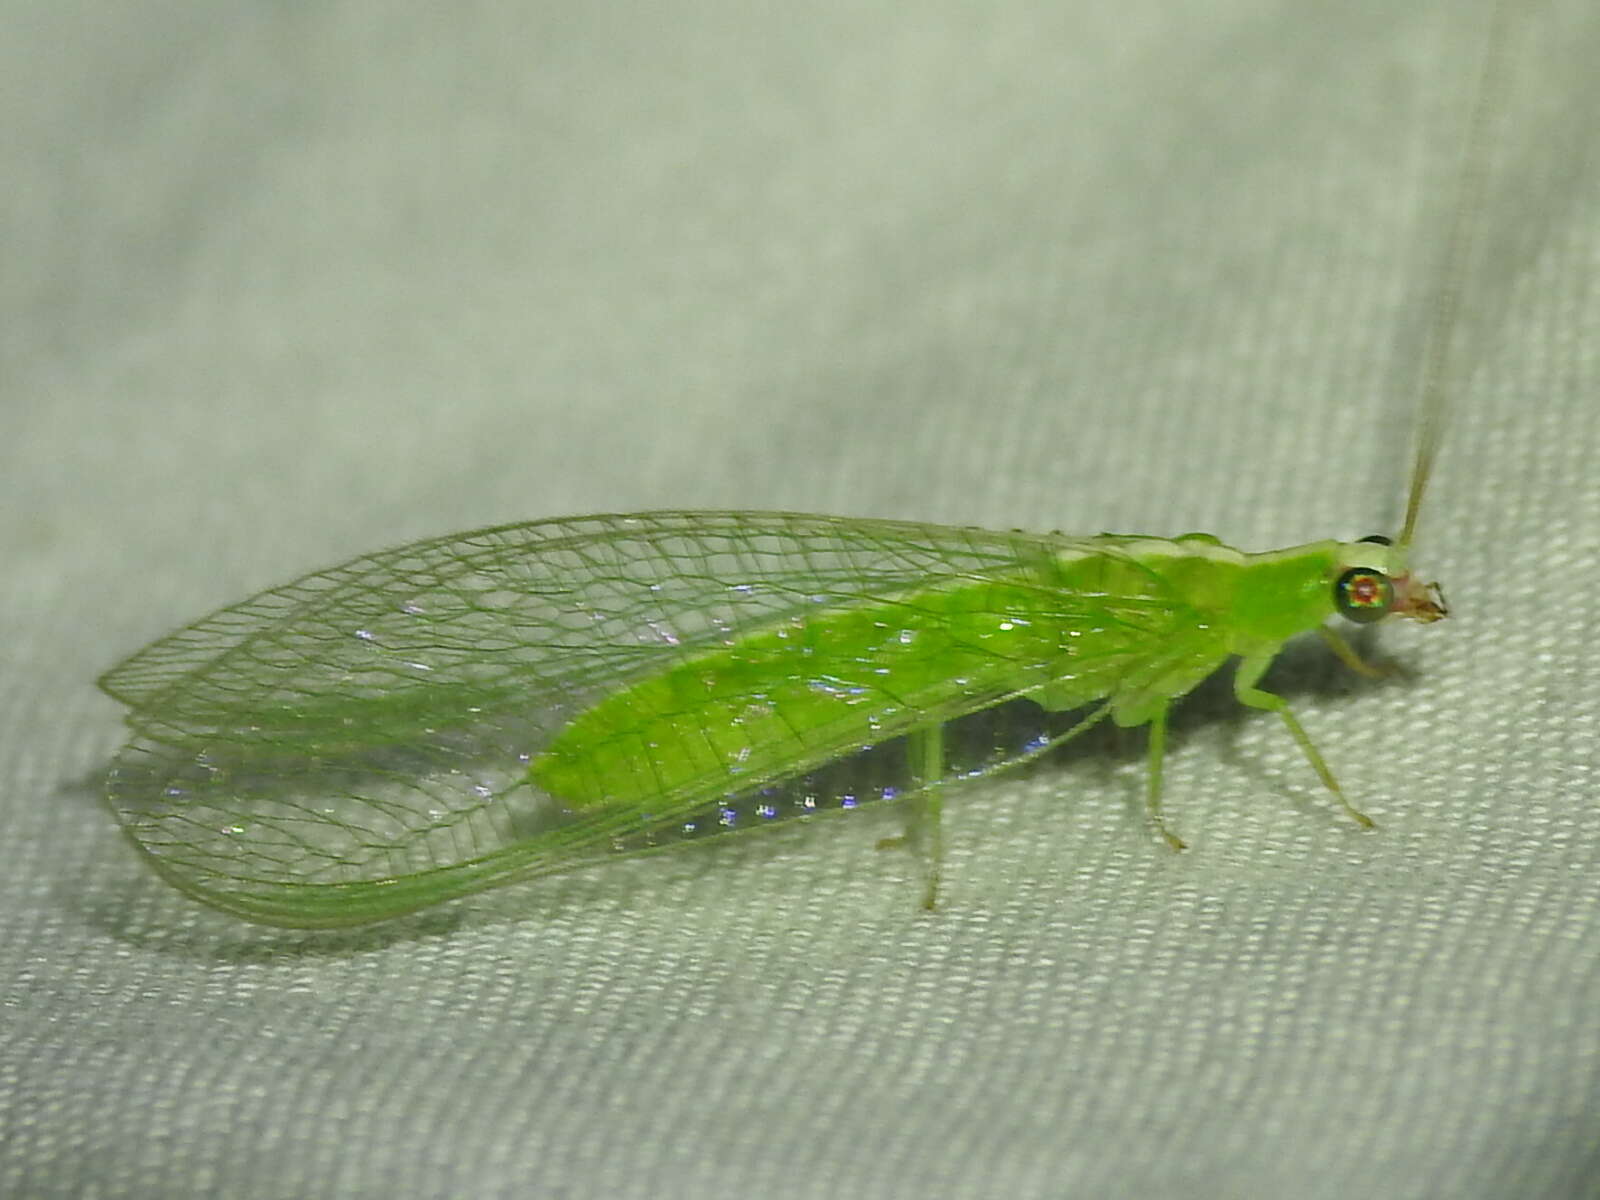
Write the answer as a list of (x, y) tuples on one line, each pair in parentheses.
[(425, 722), (422, 723)]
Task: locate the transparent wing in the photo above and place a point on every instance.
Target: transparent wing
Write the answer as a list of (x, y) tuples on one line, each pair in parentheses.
[(355, 744)]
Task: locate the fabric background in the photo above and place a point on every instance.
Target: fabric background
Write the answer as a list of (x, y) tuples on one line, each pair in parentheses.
[(286, 283)]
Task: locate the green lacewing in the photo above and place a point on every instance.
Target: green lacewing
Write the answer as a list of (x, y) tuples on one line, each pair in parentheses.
[(428, 721), (432, 720)]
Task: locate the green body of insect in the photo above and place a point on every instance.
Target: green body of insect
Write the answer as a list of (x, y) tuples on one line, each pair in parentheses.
[(426, 722)]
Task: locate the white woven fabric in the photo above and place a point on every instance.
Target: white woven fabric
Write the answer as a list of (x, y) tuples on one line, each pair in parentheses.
[(286, 283)]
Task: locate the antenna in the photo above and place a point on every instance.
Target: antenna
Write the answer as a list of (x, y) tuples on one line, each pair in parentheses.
[(1460, 246)]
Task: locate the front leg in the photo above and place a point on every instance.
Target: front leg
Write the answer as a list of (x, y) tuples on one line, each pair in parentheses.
[(1244, 687)]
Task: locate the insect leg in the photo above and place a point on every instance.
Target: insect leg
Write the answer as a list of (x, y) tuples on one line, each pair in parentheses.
[(1156, 755), (926, 749), (925, 753), (1244, 687), (925, 758)]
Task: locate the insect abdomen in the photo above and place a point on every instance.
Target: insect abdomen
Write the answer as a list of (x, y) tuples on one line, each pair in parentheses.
[(784, 698)]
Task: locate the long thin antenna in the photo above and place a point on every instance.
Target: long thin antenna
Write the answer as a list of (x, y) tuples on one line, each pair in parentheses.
[(1460, 246)]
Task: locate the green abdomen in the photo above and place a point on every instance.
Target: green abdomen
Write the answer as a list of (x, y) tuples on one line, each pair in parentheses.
[(781, 699)]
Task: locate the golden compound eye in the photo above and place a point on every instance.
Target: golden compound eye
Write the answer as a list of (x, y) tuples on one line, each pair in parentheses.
[(1363, 595)]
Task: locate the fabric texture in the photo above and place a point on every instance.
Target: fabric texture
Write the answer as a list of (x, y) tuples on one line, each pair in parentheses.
[(286, 283)]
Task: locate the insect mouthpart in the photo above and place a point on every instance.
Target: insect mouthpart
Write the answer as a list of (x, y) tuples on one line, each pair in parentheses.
[(1419, 601)]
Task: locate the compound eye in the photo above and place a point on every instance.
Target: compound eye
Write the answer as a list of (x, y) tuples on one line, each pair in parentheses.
[(1363, 595), (1378, 539)]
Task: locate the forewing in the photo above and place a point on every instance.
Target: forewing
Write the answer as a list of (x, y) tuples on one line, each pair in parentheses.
[(355, 743)]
